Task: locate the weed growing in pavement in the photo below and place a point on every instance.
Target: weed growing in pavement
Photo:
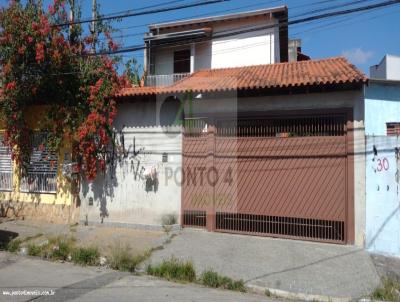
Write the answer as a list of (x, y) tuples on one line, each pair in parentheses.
[(14, 245), (58, 248), (211, 278), (168, 221), (173, 269), (389, 291), (85, 255), (34, 250), (122, 259)]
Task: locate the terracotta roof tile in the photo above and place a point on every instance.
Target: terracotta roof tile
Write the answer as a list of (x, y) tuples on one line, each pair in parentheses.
[(282, 75)]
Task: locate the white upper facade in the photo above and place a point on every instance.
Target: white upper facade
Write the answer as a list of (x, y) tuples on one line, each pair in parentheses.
[(387, 69), (235, 40)]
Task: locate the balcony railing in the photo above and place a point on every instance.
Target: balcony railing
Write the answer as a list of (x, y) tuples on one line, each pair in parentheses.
[(39, 182), (165, 79)]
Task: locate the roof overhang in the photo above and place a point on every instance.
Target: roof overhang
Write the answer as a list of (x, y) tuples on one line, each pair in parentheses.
[(177, 36), (227, 17)]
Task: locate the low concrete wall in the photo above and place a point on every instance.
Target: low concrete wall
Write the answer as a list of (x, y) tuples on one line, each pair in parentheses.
[(143, 184), (53, 213), (382, 195)]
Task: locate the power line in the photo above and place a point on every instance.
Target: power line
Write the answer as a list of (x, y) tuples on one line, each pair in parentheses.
[(344, 22), (148, 12), (350, 3), (202, 15), (332, 14), (134, 34), (319, 10), (141, 8), (233, 33)]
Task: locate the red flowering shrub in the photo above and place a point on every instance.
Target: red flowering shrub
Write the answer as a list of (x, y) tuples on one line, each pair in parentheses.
[(47, 64)]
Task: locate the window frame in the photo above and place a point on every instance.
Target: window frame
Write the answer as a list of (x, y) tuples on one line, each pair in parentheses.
[(182, 61), (41, 175), (6, 168)]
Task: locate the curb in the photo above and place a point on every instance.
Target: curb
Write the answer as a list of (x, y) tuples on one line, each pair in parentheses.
[(255, 289)]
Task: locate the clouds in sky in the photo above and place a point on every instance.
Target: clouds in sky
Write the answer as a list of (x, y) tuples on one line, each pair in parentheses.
[(358, 55)]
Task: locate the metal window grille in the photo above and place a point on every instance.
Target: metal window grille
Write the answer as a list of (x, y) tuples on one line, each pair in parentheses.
[(392, 129), (283, 127), (194, 218), (6, 167), (41, 176), (195, 127), (302, 228)]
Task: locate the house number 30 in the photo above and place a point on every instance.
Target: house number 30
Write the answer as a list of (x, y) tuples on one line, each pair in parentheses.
[(382, 164)]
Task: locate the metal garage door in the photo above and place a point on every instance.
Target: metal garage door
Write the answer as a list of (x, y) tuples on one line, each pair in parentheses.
[(281, 177)]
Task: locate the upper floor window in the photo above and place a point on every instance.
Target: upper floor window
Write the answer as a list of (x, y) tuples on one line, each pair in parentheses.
[(392, 129), (182, 61)]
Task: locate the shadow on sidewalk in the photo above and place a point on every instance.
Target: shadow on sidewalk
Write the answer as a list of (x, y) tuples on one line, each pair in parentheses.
[(6, 237)]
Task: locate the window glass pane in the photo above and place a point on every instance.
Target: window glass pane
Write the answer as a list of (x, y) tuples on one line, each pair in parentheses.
[(182, 61)]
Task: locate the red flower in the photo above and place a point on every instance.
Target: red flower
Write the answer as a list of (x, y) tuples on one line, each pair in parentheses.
[(112, 46), (39, 52), (52, 10), (35, 26), (11, 86)]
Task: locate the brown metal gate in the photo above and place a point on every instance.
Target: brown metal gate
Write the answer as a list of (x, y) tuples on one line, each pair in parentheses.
[(283, 177)]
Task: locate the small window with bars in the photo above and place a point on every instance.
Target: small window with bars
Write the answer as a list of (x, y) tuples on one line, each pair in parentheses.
[(393, 129), (6, 167), (41, 174)]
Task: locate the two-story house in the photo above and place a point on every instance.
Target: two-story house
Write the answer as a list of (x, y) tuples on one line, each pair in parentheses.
[(227, 135), (176, 49)]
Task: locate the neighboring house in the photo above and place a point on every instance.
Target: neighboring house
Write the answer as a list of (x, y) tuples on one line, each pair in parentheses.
[(382, 129), (228, 136), (43, 192)]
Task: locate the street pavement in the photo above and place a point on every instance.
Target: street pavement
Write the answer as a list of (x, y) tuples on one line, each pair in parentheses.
[(290, 266), (70, 282)]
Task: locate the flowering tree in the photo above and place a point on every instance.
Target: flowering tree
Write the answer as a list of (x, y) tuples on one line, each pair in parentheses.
[(45, 63)]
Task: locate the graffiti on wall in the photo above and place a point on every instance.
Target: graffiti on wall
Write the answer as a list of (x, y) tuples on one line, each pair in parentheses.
[(128, 154)]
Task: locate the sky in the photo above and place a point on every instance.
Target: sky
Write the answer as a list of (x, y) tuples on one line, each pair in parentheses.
[(364, 38)]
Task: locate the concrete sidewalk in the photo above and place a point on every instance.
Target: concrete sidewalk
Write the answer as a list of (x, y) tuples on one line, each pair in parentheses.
[(311, 269), (70, 282)]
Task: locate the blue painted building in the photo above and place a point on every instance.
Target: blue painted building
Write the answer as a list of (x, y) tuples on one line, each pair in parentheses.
[(382, 129)]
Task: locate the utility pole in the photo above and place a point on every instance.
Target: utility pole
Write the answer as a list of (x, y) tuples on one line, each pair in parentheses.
[(71, 19), (93, 28)]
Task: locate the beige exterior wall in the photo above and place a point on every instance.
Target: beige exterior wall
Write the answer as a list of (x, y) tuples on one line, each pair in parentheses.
[(46, 206)]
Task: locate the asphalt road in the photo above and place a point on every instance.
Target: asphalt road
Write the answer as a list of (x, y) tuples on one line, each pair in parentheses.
[(26, 277)]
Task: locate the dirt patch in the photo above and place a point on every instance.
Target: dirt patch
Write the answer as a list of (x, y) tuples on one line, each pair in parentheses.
[(107, 237), (104, 238)]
